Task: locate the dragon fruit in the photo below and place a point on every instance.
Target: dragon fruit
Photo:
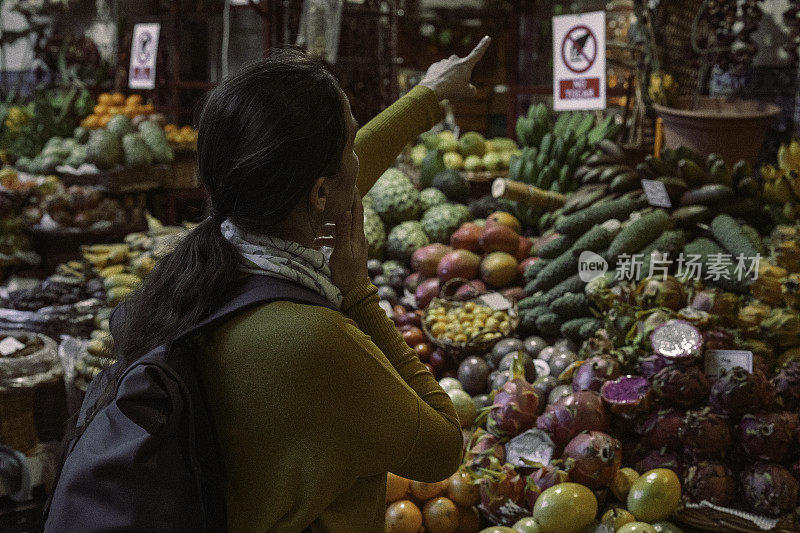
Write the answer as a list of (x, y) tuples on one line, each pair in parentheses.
[(677, 339), (660, 292), (705, 435), (769, 489), (484, 451), (712, 482), (787, 385), (660, 459), (660, 429), (767, 436), (681, 387), (541, 479), (592, 458), (502, 486), (594, 372), (516, 404), (580, 411), (738, 391), (628, 396)]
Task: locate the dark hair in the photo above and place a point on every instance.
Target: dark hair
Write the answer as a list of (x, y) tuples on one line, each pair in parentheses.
[(265, 135)]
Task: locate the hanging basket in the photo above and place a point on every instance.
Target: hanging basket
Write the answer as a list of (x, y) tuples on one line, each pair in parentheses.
[(480, 342)]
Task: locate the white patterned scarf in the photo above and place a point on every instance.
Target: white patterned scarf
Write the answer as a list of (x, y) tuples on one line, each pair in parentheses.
[(271, 256)]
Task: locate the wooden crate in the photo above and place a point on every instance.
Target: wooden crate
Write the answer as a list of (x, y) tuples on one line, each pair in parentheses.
[(183, 174)]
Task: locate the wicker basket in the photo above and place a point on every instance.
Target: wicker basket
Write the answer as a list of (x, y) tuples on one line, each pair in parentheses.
[(719, 521), (183, 174), (477, 344), (17, 423)]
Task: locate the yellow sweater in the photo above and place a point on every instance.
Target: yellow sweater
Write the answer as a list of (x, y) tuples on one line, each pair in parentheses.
[(314, 406)]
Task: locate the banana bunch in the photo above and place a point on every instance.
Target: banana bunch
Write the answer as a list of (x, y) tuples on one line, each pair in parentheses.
[(606, 165), (782, 183), (662, 89), (552, 152)]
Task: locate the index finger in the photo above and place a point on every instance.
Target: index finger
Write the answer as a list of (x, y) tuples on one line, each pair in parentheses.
[(479, 51)]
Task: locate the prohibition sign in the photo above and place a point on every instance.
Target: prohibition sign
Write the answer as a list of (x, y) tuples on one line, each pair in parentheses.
[(582, 46)]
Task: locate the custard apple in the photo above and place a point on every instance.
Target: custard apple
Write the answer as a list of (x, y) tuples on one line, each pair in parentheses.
[(405, 239), (374, 232), (395, 198), (440, 221), (430, 197)]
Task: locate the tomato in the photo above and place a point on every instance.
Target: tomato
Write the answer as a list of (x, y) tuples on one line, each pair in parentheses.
[(462, 491), (396, 487), (424, 351), (413, 336), (565, 508), (655, 495), (403, 517), (440, 515)]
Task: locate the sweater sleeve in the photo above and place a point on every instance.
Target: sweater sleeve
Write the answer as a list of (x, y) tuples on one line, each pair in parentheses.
[(380, 141)]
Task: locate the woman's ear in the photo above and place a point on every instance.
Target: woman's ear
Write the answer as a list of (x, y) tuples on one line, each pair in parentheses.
[(318, 195)]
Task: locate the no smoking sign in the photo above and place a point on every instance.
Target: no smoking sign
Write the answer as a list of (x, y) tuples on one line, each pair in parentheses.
[(579, 62)]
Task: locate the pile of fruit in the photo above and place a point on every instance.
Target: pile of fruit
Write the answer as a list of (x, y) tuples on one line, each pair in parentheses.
[(470, 152), (466, 322), (181, 137), (782, 182), (121, 142), (110, 105)]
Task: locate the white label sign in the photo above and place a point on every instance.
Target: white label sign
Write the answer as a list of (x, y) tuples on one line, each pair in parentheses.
[(10, 345), (717, 360), (144, 49), (579, 61), (656, 193)]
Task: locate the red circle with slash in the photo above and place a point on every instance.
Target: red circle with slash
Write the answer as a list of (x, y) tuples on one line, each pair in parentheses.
[(579, 46)]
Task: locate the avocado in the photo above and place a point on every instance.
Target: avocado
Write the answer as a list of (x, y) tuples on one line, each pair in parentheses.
[(453, 185)]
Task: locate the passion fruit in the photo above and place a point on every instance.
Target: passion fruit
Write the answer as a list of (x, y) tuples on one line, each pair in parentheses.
[(449, 384), (564, 500), (396, 487), (666, 527), (655, 495), (403, 517), (527, 525), (440, 515), (618, 517), (465, 406)]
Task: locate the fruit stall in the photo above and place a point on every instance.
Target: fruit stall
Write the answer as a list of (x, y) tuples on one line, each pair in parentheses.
[(611, 302)]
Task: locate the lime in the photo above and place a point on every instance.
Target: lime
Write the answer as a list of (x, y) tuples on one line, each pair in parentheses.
[(565, 508)]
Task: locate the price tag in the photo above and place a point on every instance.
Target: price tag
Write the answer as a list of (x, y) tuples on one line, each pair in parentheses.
[(496, 301), (656, 193), (10, 345), (718, 360), (144, 51)]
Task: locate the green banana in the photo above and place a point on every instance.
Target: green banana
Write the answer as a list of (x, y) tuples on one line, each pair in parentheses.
[(691, 172), (657, 166), (572, 157), (541, 161), (598, 133), (545, 178), (575, 120), (526, 172), (687, 153), (711, 159), (570, 138), (670, 158), (547, 144), (542, 115), (560, 127), (585, 125), (557, 153), (741, 170), (532, 154), (522, 131), (515, 167), (720, 173), (564, 178)]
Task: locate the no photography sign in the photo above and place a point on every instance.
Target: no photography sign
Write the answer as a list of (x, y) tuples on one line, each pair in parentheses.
[(579, 61)]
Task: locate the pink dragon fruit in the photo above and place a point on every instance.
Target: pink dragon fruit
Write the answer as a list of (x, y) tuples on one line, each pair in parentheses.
[(516, 404), (580, 411), (767, 436), (660, 429), (628, 396), (769, 488), (681, 387), (705, 435), (484, 451), (594, 372), (499, 487), (738, 391), (787, 385), (541, 479), (660, 459), (712, 482), (593, 458)]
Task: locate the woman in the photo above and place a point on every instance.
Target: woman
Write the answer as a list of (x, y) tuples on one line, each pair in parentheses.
[(312, 406)]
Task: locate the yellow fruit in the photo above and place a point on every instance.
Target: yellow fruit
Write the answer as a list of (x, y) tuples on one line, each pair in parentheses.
[(111, 271), (96, 346), (655, 495), (637, 527), (117, 99), (622, 482), (104, 98), (117, 294), (618, 516), (562, 501), (133, 100), (121, 280)]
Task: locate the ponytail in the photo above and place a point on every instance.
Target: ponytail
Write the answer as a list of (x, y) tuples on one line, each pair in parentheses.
[(184, 287)]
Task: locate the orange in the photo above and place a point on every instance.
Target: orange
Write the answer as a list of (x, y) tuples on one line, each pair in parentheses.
[(187, 129), (148, 109), (92, 121), (100, 109), (170, 128), (104, 121), (133, 100), (118, 99), (104, 99)]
